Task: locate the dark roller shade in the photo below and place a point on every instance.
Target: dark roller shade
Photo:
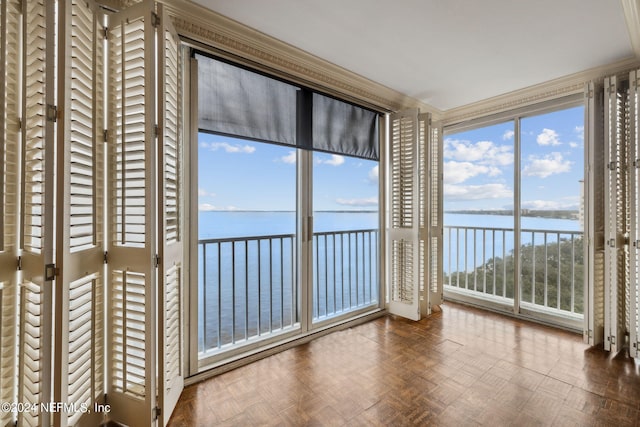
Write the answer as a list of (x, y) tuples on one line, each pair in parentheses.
[(242, 103), (238, 102), (342, 128)]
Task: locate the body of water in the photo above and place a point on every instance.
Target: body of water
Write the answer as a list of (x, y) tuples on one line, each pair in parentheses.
[(219, 224)]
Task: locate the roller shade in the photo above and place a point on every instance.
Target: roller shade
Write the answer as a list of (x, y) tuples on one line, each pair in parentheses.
[(238, 102), (342, 128)]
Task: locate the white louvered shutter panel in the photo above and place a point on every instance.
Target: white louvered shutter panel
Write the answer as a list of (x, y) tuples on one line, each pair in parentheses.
[(131, 370), (36, 234), (435, 212), (80, 252), (171, 381), (403, 240), (424, 126), (594, 216), (9, 143), (615, 215), (634, 202)]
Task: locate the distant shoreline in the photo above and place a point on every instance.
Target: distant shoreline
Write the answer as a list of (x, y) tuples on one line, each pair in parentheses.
[(269, 211), (532, 213)]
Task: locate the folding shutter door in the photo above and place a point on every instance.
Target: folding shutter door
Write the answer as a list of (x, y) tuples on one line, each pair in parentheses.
[(615, 215), (403, 238), (170, 269), (79, 373), (131, 381), (435, 220), (634, 202), (424, 126), (594, 216), (36, 236), (9, 142)]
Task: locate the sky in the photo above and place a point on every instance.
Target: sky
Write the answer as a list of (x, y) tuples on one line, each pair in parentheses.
[(479, 164), (235, 174)]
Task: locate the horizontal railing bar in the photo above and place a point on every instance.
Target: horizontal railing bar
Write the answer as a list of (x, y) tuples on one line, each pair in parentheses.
[(279, 236), (524, 230)]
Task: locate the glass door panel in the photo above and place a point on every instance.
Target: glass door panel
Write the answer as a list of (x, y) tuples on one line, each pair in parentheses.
[(478, 256), (552, 183), (345, 235), (247, 287)]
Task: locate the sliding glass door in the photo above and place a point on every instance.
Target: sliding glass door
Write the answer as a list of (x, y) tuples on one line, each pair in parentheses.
[(514, 209), (287, 211)]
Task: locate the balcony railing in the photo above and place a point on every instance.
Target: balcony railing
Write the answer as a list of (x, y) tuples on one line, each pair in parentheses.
[(481, 260), (248, 288)]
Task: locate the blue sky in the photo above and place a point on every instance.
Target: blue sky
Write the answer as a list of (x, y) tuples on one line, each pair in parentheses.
[(479, 164), (236, 174)]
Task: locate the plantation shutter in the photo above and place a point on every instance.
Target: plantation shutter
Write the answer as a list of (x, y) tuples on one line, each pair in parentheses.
[(80, 259), (634, 201), (615, 215), (36, 233), (9, 143), (404, 228), (594, 216), (171, 381), (434, 217), (131, 373)]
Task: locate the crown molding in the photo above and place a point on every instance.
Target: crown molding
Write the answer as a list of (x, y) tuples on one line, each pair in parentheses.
[(546, 91), (632, 17), (207, 27)]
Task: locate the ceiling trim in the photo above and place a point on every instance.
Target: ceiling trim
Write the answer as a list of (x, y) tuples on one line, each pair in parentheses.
[(552, 89), (632, 16), (205, 26)]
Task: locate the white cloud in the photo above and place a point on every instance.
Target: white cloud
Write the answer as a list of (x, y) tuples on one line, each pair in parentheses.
[(508, 134), (547, 205), (547, 165), (206, 207), (335, 160), (579, 130), (548, 137), (458, 172), (289, 158), (374, 174), (573, 144), (228, 148), (204, 193), (483, 152), (371, 201), (477, 192)]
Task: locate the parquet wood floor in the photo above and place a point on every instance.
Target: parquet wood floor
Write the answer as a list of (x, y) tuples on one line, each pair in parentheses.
[(460, 367)]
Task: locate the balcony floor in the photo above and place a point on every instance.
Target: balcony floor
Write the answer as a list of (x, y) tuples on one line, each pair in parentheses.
[(462, 366)]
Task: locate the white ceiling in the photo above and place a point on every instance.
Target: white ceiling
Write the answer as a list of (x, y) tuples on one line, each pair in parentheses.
[(446, 53)]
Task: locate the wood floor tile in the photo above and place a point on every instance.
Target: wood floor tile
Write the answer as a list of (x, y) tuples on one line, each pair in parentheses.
[(460, 367)]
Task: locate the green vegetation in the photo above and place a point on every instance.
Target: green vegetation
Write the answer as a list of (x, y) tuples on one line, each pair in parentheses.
[(563, 272)]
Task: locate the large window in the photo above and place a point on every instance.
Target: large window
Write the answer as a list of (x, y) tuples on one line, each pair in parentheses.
[(287, 210), (513, 200)]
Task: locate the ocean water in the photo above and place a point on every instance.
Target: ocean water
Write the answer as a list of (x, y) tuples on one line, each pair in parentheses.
[(221, 224)]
